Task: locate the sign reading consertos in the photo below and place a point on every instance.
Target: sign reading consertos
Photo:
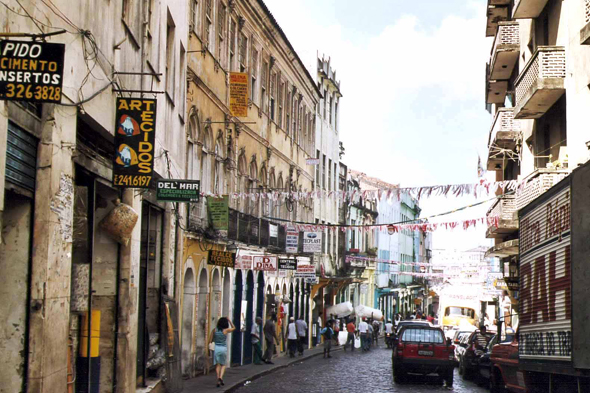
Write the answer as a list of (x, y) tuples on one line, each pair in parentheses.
[(135, 135), (31, 71)]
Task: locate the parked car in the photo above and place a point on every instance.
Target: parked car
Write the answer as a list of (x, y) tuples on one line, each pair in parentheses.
[(414, 322), (505, 372), (423, 350), (474, 346), (457, 343), (485, 363)]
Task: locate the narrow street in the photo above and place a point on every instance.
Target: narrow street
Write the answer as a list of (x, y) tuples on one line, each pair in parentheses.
[(347, 372)]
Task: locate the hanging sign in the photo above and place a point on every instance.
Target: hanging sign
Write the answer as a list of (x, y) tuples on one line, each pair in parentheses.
[(31, 71), (312, 242), (273, 230), (238, 94), (221, 258), (305, 271), (287, 264), (178, 190), (218, 212), (135, 136), (244, 261), (265, 263), (291, 241)]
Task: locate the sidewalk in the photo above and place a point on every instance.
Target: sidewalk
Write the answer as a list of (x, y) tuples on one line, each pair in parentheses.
[(237, 376)]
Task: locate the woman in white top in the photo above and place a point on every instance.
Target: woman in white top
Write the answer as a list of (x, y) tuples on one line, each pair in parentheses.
[(292, 337)]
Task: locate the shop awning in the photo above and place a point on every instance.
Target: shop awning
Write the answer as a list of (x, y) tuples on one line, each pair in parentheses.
[(503, 250)]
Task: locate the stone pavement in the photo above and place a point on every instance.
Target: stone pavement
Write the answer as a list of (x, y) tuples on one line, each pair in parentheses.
[(236, 377)]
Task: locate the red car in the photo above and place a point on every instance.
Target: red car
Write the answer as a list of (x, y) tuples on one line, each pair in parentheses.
[(423, 350), (505, 374)]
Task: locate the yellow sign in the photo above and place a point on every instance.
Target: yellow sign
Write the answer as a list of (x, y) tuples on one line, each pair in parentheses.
[(238, 94)]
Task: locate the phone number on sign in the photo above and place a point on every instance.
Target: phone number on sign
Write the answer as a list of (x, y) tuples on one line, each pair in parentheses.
[(132, 180), (39, 93)]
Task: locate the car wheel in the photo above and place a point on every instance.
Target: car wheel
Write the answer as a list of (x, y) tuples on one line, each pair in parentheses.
[(449, 376), (496, 382), (399, 375), (465, 372), (461, 366)]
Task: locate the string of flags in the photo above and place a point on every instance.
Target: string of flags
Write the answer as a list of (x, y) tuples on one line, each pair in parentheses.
[(354, 258), (457, 190)]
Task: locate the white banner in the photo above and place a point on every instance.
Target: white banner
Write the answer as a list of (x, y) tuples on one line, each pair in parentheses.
[(265, 263)]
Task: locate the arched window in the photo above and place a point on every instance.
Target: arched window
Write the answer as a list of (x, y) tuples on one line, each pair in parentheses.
[(192, 159), (264, 188), (251, 186), (206, 161), (272, 185), (242, 178)]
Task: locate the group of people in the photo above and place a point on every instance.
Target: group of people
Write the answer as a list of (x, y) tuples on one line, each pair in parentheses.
[(296, 336), (367, 331)]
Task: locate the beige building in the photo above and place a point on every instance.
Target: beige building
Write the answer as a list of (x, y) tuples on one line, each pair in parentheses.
[(56, 259)]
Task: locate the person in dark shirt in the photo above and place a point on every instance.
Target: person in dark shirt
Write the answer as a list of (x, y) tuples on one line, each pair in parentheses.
[(270, 337), (328, 335)]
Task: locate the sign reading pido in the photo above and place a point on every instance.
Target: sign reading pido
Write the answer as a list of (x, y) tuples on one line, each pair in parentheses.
[(135, 135), (31, 71)]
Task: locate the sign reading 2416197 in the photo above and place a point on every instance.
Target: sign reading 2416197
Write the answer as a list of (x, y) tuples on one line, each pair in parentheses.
[(31, 71), (135, 135)]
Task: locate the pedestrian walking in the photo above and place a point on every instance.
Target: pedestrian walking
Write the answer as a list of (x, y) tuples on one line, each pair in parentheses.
[(256, 344), (292, 337), (270, 338), (363, 330), (219, 338), (369, 335), (376, 328), (302, 334), (351, 329), (328, 334)]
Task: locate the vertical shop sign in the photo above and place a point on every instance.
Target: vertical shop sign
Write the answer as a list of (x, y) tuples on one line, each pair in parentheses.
[(31, 71), (135, 135), (238, 94), (291, 241), (219, 212)]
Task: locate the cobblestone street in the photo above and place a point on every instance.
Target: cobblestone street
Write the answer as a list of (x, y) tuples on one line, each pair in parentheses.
[(350, 372)]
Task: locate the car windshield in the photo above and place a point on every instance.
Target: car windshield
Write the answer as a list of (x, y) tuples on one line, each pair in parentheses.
[(422, 335), (460, 312)]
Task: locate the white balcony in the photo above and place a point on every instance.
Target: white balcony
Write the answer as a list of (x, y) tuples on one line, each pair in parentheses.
[(505, 209), (541, 83), (505, 51), (537, 183), (527, 9), (505, 137), (495, 14)]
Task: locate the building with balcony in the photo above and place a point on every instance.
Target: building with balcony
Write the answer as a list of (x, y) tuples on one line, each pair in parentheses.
[(538, 129), (250, 160)]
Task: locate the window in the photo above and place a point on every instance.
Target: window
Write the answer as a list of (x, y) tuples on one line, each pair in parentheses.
[(329, 175), (194, 22), (243, 45), (329, 248), (325, 101), (331, 106), (264, 77), (182, 87), (280, 117), (294, 112), (218, 186), (254, 75), (221, 33), (208, 22), (336, 116), (323, 171), (170, 59), (335, 181), (271, 102), (288, 109), (131, 13), (232, 44), (318, 179)]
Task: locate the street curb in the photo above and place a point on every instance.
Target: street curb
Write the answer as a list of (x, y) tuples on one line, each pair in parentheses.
[(254, 377)]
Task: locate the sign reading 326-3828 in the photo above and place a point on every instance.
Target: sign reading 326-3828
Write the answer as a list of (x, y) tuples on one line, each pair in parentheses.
[(31, 71)]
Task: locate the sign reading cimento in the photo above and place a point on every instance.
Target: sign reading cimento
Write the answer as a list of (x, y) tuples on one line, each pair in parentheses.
[(221, 258), (178, 190)]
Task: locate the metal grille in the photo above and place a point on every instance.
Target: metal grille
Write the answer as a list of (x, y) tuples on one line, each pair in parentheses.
[(21, 157)]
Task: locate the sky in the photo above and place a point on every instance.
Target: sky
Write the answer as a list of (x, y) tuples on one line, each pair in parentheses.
[(412, 79)]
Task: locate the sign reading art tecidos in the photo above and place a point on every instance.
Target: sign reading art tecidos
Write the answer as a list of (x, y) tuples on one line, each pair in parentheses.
[(221, 258), (178, 190), (31, 71), (135, 135), (238, 94)]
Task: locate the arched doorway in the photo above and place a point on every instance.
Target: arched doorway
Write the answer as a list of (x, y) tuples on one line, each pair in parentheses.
[(226, 295), (188, 306), (236, 342), (306, 294), (296, 300), (249, 312), (292, 298), (201, 338), (260, 295), (215, 298)]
